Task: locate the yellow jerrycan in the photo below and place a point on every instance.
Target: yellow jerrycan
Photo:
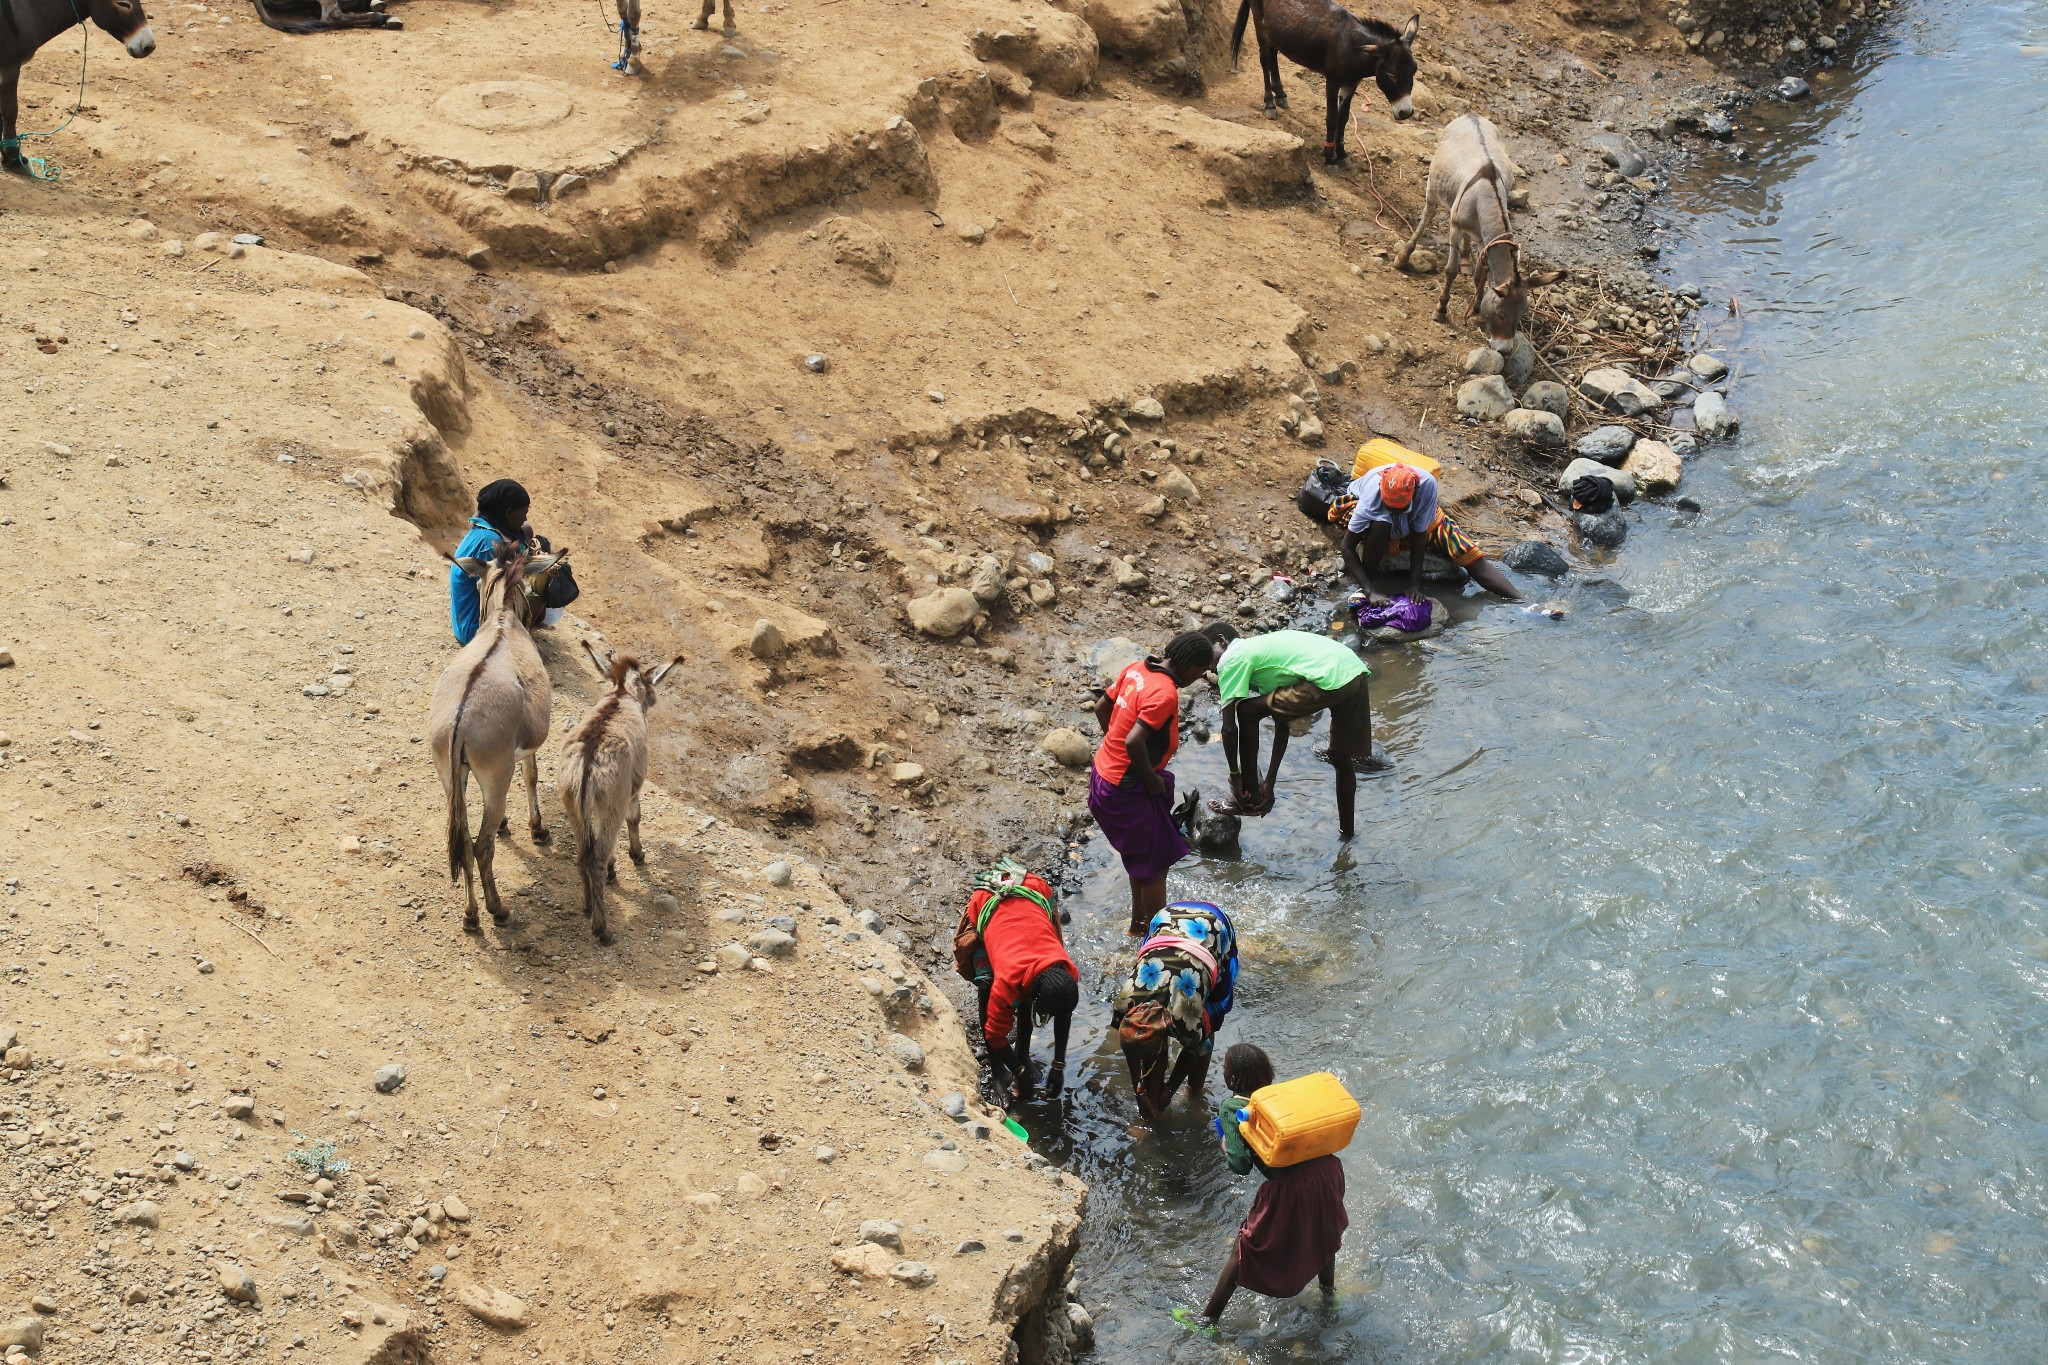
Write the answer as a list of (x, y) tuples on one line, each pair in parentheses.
[(1379, 450), (1300, 1120)]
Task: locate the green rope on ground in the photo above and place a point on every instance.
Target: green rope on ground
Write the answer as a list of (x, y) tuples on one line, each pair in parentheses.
[(39, 168)]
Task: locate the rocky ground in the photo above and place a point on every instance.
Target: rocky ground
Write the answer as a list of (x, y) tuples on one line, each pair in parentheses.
[(882, 363)]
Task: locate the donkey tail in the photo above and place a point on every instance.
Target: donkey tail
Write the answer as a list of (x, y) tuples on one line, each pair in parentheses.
[(458, 816), (1244, 13)]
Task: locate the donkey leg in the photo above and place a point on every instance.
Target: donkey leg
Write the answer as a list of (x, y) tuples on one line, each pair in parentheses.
[(1421, 226), (731, 26), (629, 36), (10, 112), (1443, 299), (1333, 100), (633, 849), (1344, 125), (487, 846), (704, 19), (540, 831)]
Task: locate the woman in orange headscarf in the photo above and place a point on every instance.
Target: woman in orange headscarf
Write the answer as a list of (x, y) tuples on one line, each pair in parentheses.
[(1396, 507)]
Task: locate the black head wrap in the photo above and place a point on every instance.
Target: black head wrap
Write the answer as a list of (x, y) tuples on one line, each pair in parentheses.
[(503, 503)]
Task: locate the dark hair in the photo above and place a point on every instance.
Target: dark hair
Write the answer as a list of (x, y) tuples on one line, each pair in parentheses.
[(1054, 992), (1246, 1068), (1191, 652), (498, 501), (1220, 633)]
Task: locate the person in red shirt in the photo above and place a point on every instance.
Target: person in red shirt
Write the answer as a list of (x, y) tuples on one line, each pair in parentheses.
[(1030, 978), (1130, 792)]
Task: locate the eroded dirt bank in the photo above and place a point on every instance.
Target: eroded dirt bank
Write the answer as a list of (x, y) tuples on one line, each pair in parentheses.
[(1067, 309)]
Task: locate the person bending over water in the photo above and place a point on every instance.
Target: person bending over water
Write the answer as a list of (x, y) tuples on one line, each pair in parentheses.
[(1297, 1220), (1395, 505), (1009, 945), (1289, 675), (1179, 990), (1130, 792)]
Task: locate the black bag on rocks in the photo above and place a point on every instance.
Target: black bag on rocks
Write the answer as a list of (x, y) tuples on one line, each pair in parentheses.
[(1326, 483), (1591, 493)]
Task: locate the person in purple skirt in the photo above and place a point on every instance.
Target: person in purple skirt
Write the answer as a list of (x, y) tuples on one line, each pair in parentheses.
[(1130, 791)]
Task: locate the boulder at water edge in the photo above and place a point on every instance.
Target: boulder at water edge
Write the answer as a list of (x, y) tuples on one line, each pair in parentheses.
[(1712, 415), (1655, 467), (1608, 445), (1606, 530), (1624, 482), (1617, 390)]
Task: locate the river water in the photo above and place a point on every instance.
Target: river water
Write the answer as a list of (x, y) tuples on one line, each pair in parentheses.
[(1692, 965)]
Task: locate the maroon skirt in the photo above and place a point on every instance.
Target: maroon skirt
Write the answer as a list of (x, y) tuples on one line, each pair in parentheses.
[(1296, 1224)]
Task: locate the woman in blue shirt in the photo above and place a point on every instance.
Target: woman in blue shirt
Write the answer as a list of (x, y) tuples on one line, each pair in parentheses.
[(501, 508)]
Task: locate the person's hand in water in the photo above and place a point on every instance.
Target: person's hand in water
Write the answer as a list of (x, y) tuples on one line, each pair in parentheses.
[(1200, 1326), (1055, 1081)]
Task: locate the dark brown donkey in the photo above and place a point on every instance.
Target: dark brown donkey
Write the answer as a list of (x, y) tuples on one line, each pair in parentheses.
[(26, 25), (1326, 37)]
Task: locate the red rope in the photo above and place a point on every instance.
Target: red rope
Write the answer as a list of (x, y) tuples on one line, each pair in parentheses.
[(1373, 185)]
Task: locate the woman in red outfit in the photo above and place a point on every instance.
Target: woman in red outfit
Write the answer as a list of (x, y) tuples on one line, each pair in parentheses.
[(1022, 973)]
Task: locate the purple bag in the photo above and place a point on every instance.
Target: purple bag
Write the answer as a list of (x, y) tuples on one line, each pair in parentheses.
[(1405, 614)]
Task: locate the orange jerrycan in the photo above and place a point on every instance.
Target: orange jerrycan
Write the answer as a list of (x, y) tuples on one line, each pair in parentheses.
[(1300, 1120), (1379, 450)]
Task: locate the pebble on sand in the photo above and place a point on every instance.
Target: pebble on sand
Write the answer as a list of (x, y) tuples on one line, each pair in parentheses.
[(906, 1051), (388, 1078), (235, 1282)]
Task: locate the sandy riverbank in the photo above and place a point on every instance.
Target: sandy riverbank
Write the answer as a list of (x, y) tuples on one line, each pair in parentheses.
[(228, 478)]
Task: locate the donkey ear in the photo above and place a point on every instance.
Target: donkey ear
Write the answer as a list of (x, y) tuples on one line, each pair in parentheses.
[(471, 566), (1408, 33), (662, 672), (1547, 277), (603, 669)]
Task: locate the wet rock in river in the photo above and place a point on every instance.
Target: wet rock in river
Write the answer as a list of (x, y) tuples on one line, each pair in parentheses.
[(1607, 530), (1708, 367), (1712, 415), (1536, 558)]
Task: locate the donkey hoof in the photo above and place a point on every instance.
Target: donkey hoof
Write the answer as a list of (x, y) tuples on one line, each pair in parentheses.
[(638, 855), (1272, 112), (541, 836), (731, 32), (501, 917), (605, 938), (701, 26), (470, 925)]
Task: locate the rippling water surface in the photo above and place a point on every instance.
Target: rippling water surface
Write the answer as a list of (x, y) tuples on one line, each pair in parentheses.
[(1692, 967)]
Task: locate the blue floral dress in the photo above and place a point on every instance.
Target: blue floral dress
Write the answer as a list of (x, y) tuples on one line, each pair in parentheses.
[(1188, 965)]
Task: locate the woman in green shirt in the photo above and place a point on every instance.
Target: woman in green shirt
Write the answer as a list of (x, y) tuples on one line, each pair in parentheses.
[(1289, 675)]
